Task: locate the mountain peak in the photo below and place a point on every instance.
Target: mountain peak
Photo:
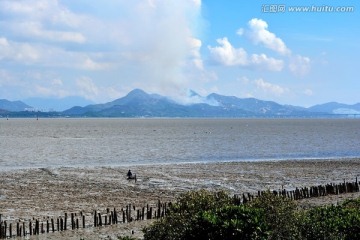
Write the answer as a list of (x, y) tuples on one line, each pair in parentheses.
[(192, 93), (15, 106), (137, 92)]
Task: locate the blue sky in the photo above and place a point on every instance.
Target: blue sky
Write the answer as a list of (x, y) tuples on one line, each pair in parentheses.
[(101, 50)]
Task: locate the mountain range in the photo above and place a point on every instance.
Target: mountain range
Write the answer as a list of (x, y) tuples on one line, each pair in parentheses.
[(138, 103)]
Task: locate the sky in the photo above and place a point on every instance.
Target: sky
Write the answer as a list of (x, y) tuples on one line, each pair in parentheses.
[(293, 52)]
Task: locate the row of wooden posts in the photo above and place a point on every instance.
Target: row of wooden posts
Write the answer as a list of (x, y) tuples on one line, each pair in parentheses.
[(19, 228), (307, 192), (72, 221)]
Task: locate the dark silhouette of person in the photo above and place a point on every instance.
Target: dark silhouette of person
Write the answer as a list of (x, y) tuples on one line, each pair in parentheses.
[(129, 174)]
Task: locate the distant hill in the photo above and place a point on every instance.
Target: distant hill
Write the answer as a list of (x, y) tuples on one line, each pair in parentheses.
[(13, 106), (256, 106), (56, 104), (336, 108), (138, 103)]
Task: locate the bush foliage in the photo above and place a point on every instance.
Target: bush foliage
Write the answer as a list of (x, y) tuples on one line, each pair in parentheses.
[(215, 215)]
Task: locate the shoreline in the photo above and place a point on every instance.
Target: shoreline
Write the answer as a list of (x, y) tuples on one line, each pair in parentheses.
[(131, 165), (49, 192)]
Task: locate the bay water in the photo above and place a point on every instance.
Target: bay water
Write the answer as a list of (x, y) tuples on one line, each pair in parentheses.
[(69, 142)]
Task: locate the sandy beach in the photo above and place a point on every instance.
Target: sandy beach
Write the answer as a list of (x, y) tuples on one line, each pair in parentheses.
[(50, 192)]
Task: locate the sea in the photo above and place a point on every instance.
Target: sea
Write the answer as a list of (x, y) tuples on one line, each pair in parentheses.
[(70, 142)]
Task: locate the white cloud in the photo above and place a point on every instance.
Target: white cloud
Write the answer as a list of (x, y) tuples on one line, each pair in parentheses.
[(87, 87), (5, 80), (259, 34), (308, 92), (269, 63), (195, 45), (50, 91), (197, 3), (240, 31), (57, 82), (36, 30), (4, 42), (151, 44), (49, 56), (90, 64), (42, 20), (269, 87), (227, 55), (299, 65), (22, 52)]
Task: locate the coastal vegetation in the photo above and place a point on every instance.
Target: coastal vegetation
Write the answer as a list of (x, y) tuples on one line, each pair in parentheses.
[(216, 215)]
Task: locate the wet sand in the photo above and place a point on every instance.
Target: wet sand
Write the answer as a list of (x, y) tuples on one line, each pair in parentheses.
[(50, 192)]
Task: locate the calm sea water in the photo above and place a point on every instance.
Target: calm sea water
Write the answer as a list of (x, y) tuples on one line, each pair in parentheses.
[(28, 143)]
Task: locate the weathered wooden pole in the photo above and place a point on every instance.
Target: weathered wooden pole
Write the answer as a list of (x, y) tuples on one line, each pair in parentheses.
[(159, 209), (18, 232), (52, 225), (61, 224), (95, 219), (115, 217), (10, 230), (100, 220), (1, 230), (72, 220), (83, 221), (65, 221), (30, 228)]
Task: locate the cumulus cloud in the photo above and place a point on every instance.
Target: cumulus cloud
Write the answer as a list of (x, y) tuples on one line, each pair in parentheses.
[(147, 44), (37, 31), (195, 45), (90, 64), (51, 91), (227, 55), (164, 44), (49, 56), (258, 33), (21, 52), (42, 20), (299, 65), (269, 87), (87, 87), (269, 63)]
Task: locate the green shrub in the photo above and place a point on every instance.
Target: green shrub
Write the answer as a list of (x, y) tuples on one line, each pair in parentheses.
[(280, 215), (185, 218), (331, 222), (204, 215), (236, 222)]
